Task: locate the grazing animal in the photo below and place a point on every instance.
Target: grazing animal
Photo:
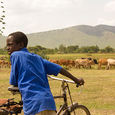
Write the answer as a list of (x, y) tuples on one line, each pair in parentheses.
[(67, 62), (102, 62), (56, 61), (95, 61), (111, 62), (5, 64), (84, 63), (71, 63), (63, 62), (1, 63)]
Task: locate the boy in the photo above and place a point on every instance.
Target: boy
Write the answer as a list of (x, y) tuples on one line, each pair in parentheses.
[(29, 72)]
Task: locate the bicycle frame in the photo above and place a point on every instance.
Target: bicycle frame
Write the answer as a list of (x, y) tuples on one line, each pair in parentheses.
[(64, 92), (64, 106)]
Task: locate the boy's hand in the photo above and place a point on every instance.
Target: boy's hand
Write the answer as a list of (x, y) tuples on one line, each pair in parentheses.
[(81, 81), (67, 74)]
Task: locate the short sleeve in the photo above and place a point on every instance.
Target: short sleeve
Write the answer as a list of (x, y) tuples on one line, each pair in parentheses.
[(51, 68), (14, 71)]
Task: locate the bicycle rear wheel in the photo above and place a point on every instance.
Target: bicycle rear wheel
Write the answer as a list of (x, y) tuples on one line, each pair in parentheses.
[(80, 110)]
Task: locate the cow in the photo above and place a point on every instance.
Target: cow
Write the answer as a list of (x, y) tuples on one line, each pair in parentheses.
[(71, 63), (84, 63), (1, 63), (95, 61), (111, 62), (67, 62), (91, 59), (56, 61), (102, 62), (7, 64), (63, 62)]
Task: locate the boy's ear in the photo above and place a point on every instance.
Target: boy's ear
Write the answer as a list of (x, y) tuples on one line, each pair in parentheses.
[(21, 45)]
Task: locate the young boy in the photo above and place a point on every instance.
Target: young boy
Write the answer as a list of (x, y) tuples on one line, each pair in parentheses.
[(29, 72)]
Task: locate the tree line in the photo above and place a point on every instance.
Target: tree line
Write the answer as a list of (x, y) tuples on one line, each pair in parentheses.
[(2, 22), (62, 49)]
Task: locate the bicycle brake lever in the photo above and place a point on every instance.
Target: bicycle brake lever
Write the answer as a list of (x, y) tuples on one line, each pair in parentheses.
[(78, 85), (80, 90)]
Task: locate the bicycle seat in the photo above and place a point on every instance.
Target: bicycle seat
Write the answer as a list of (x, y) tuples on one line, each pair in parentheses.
[(13, 88)]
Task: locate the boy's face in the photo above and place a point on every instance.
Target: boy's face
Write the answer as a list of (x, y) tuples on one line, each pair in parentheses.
[(11, 45)]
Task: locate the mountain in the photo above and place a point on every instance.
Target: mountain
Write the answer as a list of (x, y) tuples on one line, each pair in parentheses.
[(81, 35), (2, 41)]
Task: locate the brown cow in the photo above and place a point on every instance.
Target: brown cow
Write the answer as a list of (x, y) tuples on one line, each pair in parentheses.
[(56, 61), (85, 63), (102, 62), (7, 64), (1, 63), (67, 62), (64, 62), (71, 63)]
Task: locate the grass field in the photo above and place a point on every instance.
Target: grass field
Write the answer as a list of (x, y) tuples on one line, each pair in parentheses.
[(83, 55), (98, 93)]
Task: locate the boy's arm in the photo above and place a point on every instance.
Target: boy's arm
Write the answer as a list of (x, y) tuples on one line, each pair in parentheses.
[(69, 75)]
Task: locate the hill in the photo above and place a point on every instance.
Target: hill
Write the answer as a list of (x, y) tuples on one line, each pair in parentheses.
[(82, 35), (2, 41)]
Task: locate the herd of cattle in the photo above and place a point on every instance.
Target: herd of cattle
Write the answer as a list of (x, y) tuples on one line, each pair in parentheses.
[(85, 62), (4, 64)]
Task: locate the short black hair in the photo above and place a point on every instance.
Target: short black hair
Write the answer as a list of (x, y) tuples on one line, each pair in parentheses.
[(19, 37)]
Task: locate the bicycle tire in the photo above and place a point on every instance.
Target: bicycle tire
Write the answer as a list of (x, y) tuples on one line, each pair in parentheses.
[(78, 109)]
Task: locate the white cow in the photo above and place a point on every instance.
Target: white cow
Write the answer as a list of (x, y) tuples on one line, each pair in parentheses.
[(85, 63), (111, 62)]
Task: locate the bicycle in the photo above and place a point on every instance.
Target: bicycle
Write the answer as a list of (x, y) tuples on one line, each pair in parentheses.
[(65, 109), (74, 108), (9, 106)]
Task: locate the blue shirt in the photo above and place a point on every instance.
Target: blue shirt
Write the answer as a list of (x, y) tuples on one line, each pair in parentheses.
[(29, 71)]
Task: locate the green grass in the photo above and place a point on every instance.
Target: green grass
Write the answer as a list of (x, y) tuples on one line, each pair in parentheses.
[(83, 55)]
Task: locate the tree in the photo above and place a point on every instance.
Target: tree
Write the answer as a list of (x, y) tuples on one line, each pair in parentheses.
[(94, 49), (108, 49), (2, 22), (71, 49), (62, 49)]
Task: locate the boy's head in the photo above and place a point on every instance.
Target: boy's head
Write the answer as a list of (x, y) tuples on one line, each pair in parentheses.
[(16, 41)]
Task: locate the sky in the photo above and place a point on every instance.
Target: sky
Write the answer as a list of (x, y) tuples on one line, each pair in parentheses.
[(31, 16)]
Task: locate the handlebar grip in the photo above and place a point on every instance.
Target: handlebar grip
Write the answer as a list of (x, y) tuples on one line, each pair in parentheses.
[(78, 85)]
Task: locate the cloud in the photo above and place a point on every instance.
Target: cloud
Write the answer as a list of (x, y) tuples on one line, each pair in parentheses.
[(50, 5), (39, 5), (105, 21), (110, 6), (31, 15), (56, 3), (29, 8), (43, 15)]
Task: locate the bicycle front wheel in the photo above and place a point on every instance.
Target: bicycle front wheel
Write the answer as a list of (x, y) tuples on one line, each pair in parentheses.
[(80, 110)]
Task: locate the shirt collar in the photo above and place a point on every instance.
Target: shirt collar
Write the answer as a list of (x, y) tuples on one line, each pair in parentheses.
[(24, 49)]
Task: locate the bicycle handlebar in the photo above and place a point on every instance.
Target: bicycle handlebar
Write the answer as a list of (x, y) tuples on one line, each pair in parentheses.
[(55, 78), (59, 79)]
